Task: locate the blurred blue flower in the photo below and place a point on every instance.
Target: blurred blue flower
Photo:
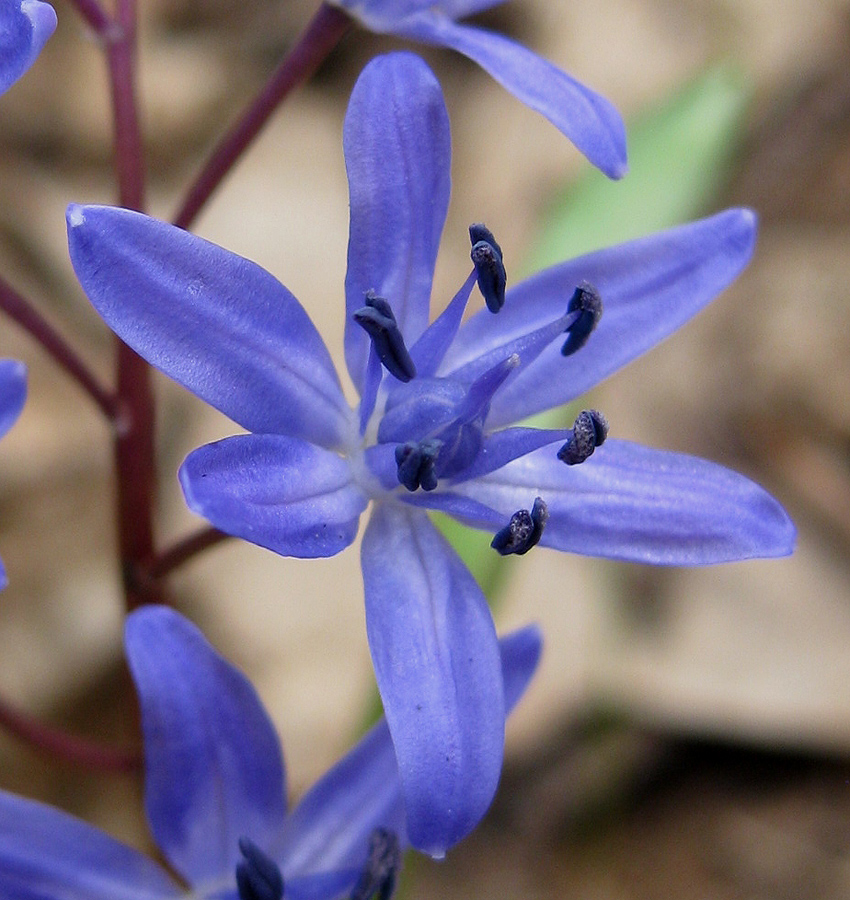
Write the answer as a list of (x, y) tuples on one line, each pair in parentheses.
[(25, 26), (13, 393), (586, 118), (431, 435), (215, 792)]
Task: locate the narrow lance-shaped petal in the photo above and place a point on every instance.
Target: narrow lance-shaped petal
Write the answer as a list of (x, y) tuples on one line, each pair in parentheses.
[(330, 826), (589, 120), (284, 494), (397, 149), (436, 660), (649, 288), (214, 770), (13, 392), (633, 503), (213, 321), (46, 854), (25, 26)]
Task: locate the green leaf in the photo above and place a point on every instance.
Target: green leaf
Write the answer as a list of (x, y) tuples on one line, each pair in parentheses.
[(679, 155)]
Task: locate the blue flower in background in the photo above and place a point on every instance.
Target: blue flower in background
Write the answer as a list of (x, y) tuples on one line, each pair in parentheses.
[(586, 118), (25, 26), (433, 428), (13, 393), (215, 793)]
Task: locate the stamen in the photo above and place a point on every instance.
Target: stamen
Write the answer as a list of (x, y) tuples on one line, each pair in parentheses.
[(523, 531), (489, 268), (589, 432), (379, 876), (377, 320), (257, 876), (587, 301), (416, 464), (481, 391)]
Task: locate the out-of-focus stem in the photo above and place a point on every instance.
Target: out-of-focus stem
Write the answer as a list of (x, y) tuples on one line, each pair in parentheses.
[(94, 14), (22, 312), (184, 550), (134, 440), (70, 748), (320, 37)]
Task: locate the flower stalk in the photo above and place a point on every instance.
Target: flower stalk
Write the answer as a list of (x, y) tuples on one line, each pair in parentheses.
[(19, 309), (322, 34), (59, 745)]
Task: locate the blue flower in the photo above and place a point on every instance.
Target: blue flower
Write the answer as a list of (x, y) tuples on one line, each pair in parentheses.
[(13, 393), (215, 791), (437, 439), (25, 26), (586, 118)]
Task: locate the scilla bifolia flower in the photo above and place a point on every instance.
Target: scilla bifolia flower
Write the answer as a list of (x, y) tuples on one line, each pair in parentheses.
[(215, 794), (586, 118), (25, 26), (433, 427)]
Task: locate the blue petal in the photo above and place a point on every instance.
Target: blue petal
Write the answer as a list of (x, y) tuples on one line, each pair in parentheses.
[(46, 854), (13, 392), (520, 652), (459, 9), (321, 886), (330, 827), (283, 494), (215, 322), (429, 350), (437, 665), (500, 448), (583, 116), (24, 30), (649, 287), (213, 760), (397, 153), (633, 503)]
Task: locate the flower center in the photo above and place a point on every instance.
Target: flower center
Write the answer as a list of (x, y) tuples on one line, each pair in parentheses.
[(437, 424), (258, 876)]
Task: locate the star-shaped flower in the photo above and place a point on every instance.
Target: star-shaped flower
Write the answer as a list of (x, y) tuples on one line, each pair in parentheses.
[(25, 26), (13, 393), (586, 118), (432, 427), (215, 793)]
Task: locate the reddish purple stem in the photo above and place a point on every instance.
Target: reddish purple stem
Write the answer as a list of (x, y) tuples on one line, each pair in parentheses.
[(22, 312), (68, 747), (323, 33), (183, 550), (94, 14)]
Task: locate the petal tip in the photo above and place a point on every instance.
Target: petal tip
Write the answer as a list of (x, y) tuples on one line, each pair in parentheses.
[(75, 215), (43, 19)]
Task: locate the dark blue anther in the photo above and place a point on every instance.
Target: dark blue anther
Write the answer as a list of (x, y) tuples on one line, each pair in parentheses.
[(377, 319), (589, 432), (523, 531), (489, 268), (379, 877), (257, 876), (586, 301), (416, 464)]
